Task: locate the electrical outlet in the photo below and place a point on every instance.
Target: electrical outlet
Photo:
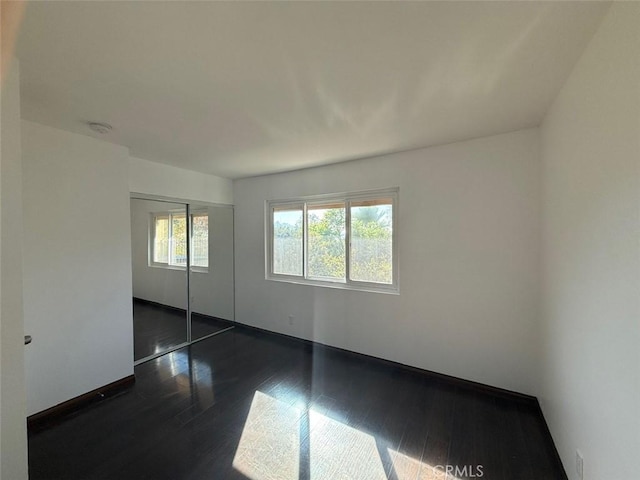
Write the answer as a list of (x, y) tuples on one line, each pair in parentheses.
[(579, 465), (290, 319)]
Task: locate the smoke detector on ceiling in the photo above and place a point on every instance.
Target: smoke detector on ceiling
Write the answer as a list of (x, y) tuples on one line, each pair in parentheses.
[(99, 127)]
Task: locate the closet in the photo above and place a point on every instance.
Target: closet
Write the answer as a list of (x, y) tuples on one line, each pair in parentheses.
[(182, 267)]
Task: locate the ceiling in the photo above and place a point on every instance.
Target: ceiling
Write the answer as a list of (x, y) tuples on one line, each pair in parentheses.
[(241, 88)]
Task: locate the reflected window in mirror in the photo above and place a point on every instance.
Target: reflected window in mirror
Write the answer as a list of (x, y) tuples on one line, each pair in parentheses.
[(200, 240), (168, 240)]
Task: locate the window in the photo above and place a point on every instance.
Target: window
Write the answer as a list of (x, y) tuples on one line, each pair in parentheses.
[(200, 240), (346, 241), (169, 240), (287, 240)]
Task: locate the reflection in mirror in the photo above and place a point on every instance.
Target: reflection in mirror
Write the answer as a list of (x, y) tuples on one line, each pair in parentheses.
[(159, 260), (211, 271)]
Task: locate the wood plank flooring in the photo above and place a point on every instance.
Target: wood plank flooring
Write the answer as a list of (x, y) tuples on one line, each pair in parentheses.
[(157, 328), (251, 405)]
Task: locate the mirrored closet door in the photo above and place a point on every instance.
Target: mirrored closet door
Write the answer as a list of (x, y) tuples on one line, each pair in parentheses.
[(211, 269), (159, 269), (182, 266)]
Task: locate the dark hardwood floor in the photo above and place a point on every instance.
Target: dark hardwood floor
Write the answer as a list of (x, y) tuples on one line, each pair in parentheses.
[(158, 328), (203, 325), (250, 405)]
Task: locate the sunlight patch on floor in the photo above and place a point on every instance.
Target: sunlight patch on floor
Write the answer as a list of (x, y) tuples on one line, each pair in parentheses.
[(271, 444), (338, 451), (408, 468), (270, 441)]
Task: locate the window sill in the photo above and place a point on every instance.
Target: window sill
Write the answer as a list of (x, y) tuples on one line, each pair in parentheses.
[(368, 288), (178, 268), (199, 270)]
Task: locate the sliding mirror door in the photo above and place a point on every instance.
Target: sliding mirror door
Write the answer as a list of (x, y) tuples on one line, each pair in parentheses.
[(159, 267), (211, 269)]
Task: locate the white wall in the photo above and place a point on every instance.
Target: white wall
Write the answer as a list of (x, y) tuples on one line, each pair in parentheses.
[(153, 178), (469, 261), (77, 264), (590, 146), (13, 428)]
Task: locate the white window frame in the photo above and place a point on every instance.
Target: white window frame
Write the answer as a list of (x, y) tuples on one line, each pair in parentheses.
[(346, 198), (151, 245)]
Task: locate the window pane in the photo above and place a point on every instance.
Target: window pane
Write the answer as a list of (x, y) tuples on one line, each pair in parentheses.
[(200, 240), (371, 253), (287, 241), (161, 240), (326, 237), (178, 240)]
